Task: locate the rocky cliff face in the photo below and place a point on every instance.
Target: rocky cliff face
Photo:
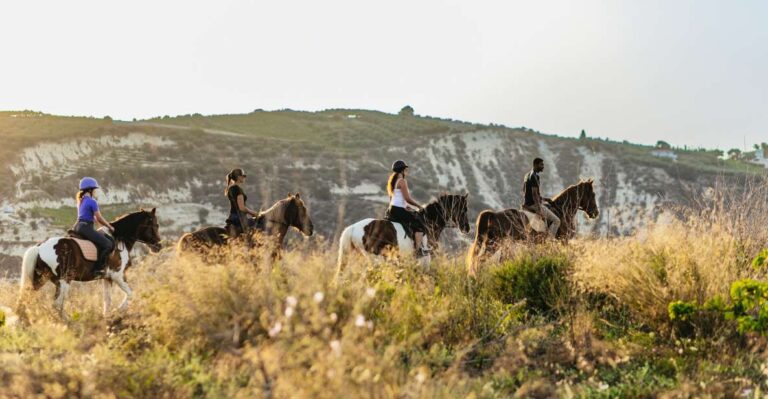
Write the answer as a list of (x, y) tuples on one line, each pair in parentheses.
[(181, 171)]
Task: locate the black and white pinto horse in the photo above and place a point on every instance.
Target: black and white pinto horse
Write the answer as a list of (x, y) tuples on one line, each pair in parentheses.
[(382, 237), (61, 260)]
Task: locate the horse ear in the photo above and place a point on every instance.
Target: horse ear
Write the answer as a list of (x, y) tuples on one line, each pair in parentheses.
[(297, 196), (153, 210), (290, 194)]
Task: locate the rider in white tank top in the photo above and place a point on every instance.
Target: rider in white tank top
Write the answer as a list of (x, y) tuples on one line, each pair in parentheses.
[(397, 199)]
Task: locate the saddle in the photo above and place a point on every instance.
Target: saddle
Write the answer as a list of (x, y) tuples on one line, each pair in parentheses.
[(87, 248), (234, 230), (535, 222)]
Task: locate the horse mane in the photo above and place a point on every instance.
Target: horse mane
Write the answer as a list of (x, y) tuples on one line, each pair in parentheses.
[(274, 206), (436, 200), (571, 187)]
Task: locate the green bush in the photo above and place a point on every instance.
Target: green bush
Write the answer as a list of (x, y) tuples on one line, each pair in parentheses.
[(760, 260), (540, 281)]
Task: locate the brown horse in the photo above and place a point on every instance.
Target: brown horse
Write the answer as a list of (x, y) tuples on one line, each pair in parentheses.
[(274, 222), (494, 228), (61, 260)]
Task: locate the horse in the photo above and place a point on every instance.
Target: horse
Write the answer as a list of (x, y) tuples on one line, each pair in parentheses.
[(274, 222), (493, 228), (381, 237), (62, 260)]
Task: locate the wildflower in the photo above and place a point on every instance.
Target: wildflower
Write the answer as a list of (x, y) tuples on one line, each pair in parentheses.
[(336, 347), (334, 317), (370, 292), (319, 296), (289, 312), (275, 329), (360, 321), (291, 301), (369, 324)]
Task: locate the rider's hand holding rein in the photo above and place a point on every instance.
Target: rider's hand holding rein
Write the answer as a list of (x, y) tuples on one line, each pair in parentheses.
[(102, 221)]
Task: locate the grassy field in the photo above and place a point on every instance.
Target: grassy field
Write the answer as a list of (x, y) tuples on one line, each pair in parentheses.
[(663, 313)]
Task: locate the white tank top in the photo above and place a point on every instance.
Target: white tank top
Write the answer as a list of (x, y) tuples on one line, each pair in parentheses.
[(397, 198)]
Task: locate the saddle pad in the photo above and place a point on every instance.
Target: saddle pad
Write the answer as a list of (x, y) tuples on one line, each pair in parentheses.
[(87, 248), (535, 221)]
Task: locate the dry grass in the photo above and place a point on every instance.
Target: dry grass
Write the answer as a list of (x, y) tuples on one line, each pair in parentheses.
[(584, 320)]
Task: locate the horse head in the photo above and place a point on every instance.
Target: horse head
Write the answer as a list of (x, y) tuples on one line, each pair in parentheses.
[(587, 200), (148, 230), (139, 226), (297, 214), (455, 210)]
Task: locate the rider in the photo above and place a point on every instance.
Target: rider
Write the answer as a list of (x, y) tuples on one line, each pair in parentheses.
[(237, 198), (87, 213), (400, 198), (532, 197)]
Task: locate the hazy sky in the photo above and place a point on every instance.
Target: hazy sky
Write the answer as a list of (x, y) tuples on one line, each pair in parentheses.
[(690, 72)]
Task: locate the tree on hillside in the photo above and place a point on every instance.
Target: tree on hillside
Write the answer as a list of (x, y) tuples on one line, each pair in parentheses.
[(406, 111), (734, 153), (663, 145), (583, 135)]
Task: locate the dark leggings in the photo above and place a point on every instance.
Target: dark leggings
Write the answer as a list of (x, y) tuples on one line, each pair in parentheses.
[(104, 244), (411, 221)]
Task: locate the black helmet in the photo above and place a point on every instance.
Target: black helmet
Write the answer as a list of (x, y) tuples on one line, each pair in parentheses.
[(399, 166)]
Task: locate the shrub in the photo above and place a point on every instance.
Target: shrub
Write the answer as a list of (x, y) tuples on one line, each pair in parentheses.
[(539, 280)]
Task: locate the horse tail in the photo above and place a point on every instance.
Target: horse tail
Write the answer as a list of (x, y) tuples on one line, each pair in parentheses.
[(184, 243), (28, 263), (481, 236), (345, 246)]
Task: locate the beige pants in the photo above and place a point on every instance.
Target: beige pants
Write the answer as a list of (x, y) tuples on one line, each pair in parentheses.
[(552, 220)]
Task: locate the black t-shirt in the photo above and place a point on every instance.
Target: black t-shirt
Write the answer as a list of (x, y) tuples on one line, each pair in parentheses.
[(531, 180), (232, 192)]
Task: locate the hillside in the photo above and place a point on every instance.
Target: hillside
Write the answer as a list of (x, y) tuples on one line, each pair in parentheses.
[(337, 159)]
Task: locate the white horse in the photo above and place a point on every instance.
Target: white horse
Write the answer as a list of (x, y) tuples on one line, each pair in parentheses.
[(381, 237), (65, 259)]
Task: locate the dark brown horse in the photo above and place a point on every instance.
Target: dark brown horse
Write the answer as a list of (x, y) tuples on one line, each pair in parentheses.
[(273, 223), (494, 228), (61, 260)]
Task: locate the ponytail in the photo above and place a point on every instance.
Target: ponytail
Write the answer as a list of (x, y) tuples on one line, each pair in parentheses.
[(391, 183), (81, 194), (229, 182)]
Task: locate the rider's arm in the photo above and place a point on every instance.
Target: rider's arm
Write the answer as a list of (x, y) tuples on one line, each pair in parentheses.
[(407, 193), (537, 198), (241, 206), (102, 221)]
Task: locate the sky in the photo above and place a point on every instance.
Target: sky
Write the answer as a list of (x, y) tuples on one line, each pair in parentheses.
[(691, 72)]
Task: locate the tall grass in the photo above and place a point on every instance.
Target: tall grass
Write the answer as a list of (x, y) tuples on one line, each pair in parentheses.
[(589, 319)]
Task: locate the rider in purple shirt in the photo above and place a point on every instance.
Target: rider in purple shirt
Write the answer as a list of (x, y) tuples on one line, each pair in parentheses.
[(88, 213)]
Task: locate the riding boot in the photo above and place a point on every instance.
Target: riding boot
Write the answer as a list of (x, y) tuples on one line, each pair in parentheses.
[(99, 268)]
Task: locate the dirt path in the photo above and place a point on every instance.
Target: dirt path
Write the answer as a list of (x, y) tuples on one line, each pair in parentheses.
[(217, 132)]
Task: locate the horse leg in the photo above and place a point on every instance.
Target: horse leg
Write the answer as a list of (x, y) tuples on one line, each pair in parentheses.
[(107, 285), (120, 281), (62, 290)]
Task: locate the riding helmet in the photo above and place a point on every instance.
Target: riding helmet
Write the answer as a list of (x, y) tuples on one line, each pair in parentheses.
[(399, 166), (88, 182)]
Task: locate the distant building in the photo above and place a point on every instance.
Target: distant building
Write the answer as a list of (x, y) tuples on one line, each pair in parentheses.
[(664, 153), (760, 157)]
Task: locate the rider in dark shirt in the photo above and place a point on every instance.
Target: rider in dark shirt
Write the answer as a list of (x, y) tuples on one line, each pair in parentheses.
[(532, 197), (237, 199)]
